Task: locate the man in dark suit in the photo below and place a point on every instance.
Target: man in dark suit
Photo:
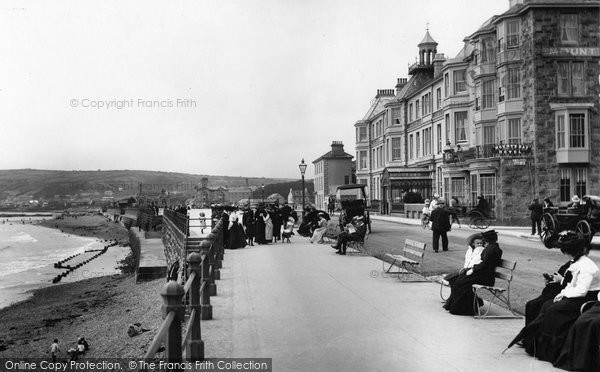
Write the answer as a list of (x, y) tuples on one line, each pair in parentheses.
[(354, 231), (536, 216), (440, 225)]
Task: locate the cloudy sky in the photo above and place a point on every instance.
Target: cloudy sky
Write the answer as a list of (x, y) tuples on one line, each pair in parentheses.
[(221, 87)]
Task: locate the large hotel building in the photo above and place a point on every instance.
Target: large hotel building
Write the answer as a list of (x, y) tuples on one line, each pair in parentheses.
[(513, 116)]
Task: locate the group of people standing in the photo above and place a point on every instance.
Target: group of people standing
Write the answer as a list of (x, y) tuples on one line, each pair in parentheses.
[(261, 226)]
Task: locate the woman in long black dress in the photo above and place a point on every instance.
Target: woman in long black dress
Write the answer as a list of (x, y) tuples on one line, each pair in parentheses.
[(545, 336), (259, 227), (554, 284), (581, 351), (461, 297), (237, 237)]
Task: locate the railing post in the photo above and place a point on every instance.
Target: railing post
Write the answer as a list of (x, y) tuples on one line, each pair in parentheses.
[(220, 250), (205, 305), (172, 294), (195, 346), (216, 274), (212, 286)]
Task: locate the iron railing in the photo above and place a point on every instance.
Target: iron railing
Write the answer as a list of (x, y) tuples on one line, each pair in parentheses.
[(198, 288)]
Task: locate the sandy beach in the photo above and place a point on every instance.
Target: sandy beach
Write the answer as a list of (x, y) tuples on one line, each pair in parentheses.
[(89, 304), (94, 226), (98, 309)]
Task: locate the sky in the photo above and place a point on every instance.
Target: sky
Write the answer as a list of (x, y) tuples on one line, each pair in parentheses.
[(219, 87)]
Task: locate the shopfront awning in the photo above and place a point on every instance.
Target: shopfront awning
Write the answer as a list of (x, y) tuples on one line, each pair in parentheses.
[(406, 178)]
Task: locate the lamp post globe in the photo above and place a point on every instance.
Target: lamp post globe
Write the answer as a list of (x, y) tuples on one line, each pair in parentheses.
[(302, 167)]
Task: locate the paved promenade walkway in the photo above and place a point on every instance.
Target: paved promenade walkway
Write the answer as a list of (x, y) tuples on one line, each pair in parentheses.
[(312, 310)]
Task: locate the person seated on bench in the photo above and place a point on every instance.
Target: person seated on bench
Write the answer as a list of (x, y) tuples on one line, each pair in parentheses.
[(545, 336), (554, 284), (354, 231), (317, 235), (461, 297), (472, 257), (581, 350)]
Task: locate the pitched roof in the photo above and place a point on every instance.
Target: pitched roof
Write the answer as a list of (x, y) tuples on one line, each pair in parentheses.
[(330, 155), (427, 39), (377, 106)]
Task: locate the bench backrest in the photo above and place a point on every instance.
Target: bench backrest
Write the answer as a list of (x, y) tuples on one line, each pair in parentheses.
[(505, 270), (414, 248)]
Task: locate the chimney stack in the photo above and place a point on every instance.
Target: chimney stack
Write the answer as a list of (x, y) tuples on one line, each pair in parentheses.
[(337, 148), (385, 93), (438, 63), (401, 83)]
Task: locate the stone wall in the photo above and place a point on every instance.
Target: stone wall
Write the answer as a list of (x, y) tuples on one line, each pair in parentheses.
[(540, 31), (516, 183)]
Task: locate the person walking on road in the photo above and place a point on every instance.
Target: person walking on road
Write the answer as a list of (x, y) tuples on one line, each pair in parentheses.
[(440, 225), (536, 216), (454, 208)]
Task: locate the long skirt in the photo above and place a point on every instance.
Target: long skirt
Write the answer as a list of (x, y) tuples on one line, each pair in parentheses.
[(259, 231), (461, 297), (533, 307), (237, 238), (546, 334), (250, 230), (318, 234), (269, 230), (581, 349)]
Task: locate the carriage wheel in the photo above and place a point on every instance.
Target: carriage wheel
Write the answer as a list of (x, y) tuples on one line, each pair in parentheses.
[(583, 227), (474, 217), (549, 233), (482, 223)]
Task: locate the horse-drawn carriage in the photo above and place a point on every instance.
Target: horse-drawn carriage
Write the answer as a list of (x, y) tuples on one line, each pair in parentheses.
[(354, 202), (583, 218)]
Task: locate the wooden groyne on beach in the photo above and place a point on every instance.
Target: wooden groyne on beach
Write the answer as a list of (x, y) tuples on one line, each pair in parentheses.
[(63, 264)]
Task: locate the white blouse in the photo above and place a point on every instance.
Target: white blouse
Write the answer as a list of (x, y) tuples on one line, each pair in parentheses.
[(586, 277), (473, 256)]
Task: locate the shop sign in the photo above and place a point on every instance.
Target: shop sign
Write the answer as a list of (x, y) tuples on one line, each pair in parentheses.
[(519, 161), (571, 52)]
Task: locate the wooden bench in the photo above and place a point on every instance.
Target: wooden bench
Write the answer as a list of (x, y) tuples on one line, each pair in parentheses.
[(500, 293), (410, 261), (357, 246)]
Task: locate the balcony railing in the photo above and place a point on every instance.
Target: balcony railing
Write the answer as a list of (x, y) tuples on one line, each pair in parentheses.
[(500, 150), (506, 55)]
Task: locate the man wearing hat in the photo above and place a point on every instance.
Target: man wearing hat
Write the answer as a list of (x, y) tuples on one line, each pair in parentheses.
[(440, 225), (354, 231), (536, 216)]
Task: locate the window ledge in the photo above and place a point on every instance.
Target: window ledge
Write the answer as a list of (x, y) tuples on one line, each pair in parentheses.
[(571, 155), (570, 105)]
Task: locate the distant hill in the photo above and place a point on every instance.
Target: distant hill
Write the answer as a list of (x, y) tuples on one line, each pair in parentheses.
[(283, 188), (45, 184)]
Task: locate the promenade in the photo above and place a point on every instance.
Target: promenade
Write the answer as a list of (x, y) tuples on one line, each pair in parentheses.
[(312, 310)]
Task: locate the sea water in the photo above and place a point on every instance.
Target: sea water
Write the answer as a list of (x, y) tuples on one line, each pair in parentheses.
[(28, 253)]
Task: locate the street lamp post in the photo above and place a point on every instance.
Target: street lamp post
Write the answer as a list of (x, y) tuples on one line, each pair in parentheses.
[(263, 193), (302, 167)]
